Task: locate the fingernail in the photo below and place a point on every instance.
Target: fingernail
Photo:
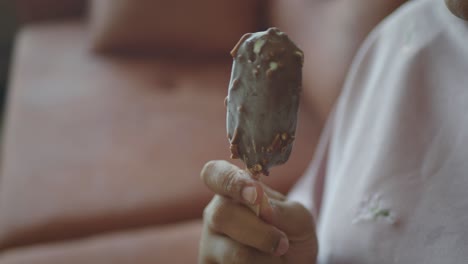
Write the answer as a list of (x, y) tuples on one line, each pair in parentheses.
[(282, 247), (249, 194)]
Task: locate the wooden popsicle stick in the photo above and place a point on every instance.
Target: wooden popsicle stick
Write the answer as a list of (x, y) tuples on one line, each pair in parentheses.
[(256, 208)]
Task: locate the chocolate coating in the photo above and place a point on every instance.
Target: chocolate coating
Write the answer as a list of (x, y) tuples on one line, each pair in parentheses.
[(263, 99)]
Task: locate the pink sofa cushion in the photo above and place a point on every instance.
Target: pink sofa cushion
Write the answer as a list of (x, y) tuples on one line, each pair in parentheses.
[(174, 244), (29, 11), (176, 26), (94, 144)]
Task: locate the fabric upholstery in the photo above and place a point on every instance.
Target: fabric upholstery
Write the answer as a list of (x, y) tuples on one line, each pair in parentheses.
[(95, 144), (177, 26), (30, 11), (175, 244)]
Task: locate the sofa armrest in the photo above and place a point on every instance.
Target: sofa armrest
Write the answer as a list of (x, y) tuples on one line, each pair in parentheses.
[(30, 11)]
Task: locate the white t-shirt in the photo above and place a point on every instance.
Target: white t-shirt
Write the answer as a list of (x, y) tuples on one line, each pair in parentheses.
[(389, 183)]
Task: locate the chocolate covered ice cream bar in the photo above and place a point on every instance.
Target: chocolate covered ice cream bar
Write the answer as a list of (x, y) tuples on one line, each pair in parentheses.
[(263, 99)]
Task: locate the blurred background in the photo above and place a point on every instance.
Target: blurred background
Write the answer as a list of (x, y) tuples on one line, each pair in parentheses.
[(7, 31), (112, 107), (110, 110)]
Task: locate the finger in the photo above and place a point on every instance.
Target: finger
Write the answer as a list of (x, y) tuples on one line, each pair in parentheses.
[(293, 219), (229, 251), (239, 223), (263, 209), (228, 180), (205, 250), (272, 194), (224, 250)]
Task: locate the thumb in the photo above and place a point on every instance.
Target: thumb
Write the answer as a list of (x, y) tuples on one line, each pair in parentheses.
[(290, 217)]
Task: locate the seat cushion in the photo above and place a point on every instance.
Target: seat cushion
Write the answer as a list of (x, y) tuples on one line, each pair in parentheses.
[(31, 11), (143, 246), (176, 26), (95, 144)]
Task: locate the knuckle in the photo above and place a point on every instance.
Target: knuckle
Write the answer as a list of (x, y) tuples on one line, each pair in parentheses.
[(302, 218), (302, 213), (216, 215), (207, 212), (296, 206), (241, 255)]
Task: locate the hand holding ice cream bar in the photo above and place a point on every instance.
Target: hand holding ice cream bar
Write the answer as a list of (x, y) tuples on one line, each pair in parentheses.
[(263, 99)]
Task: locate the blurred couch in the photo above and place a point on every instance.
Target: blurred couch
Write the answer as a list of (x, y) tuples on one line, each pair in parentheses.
[(113, 108), (115, 105), (7, 29)]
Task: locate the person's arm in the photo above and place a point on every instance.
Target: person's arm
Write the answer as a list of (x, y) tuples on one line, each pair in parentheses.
[(330, 33)]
